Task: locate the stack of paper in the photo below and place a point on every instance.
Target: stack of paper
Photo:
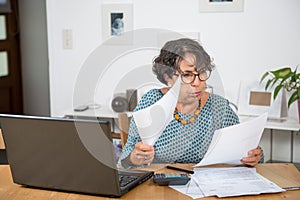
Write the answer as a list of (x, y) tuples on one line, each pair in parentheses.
[(225, 182)]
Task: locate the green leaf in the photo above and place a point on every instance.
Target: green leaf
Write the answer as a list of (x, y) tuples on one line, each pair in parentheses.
[(293, 98), (287, 77), (283, 78), (264, 76), (274, 81), (295, 71), (280, 73), (276, 91), (268, 83)]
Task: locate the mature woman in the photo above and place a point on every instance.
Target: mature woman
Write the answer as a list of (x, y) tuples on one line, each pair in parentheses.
[(197, 114)]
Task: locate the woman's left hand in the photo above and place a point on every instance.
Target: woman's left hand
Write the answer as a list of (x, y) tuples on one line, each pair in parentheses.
[(253, 157)]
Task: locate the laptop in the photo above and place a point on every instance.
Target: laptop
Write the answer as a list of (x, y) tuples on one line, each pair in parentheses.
[(73, 155)]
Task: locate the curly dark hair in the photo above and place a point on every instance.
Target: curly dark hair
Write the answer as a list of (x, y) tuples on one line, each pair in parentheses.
[(173, 52)]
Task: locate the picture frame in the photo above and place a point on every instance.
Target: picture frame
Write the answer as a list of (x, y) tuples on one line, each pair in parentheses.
[(221, 5), (116, 20), (254, 100)]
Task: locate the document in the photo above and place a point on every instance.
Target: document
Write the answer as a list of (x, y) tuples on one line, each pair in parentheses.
[(190, 189), (152, 120), (226, 182), (234, 181), (229, 145)]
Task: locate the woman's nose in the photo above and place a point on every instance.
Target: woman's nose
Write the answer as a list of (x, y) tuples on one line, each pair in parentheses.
[(197, 81)]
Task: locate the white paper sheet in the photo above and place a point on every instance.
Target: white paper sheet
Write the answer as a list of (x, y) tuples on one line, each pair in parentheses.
[(226, 182), (229, 145), (190, 189), (234, 181), (152, 120)]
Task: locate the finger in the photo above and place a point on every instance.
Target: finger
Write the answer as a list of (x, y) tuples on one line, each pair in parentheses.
[(148, 160), (143, 147), (140, 157), (144, 159), (250, 160), (147, 155), (144, 153), (256, 151), (146, 147), (138, 145), (249, 163)]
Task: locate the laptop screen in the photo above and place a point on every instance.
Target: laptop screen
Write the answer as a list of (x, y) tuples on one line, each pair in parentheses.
[(57, 153)]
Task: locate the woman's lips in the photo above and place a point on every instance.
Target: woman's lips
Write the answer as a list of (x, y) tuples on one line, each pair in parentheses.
[(196, 94)]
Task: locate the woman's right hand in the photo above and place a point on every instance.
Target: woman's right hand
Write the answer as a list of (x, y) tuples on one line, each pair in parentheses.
[(142, 154)]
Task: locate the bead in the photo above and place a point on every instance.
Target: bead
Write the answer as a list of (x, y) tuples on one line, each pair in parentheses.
[(176, 116), (192, 119)]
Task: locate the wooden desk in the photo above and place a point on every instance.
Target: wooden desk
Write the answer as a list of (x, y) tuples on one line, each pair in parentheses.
[(283, 174)]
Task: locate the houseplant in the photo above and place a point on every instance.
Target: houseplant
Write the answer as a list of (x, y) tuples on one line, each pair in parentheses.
[(284, 78)]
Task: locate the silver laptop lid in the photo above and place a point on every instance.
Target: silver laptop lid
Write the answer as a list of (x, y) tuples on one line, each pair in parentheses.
[(57, 153)]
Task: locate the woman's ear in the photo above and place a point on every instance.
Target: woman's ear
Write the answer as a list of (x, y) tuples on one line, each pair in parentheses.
[(168, 80)]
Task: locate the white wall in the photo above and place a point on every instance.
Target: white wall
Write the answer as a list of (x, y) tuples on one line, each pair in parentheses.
[(244, 44), (34, 57)]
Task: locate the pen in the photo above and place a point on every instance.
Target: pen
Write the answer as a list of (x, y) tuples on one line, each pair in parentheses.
[(180, 169), (291, 188)]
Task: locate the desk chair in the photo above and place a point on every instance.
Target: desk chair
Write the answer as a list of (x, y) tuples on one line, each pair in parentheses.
[(3, 158), (124, 121), (234, 107)]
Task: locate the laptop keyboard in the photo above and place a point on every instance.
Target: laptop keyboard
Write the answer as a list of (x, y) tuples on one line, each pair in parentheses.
[(126, 179)]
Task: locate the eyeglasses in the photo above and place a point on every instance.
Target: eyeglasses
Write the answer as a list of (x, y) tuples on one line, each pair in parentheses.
[(189, 77)]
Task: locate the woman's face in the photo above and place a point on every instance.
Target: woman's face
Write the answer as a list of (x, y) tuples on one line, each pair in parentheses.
[(190, 92)]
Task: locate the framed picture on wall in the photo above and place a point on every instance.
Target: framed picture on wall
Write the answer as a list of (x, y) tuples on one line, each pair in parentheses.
[(221, 5), (116, 20)]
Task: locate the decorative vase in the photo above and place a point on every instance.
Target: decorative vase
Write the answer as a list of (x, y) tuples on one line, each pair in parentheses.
[(119, 104)]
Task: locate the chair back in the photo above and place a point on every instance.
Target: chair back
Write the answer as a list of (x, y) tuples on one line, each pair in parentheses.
[(3, 158), (124, 121)]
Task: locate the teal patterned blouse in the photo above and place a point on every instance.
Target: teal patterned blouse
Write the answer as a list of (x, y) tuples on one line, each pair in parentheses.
[(184, 143)]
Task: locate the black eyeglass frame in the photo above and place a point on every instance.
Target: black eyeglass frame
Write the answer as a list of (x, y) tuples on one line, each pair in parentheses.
[(194, 75)]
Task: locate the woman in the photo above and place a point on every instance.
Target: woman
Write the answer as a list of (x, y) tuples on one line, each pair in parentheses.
[(197, 114)]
